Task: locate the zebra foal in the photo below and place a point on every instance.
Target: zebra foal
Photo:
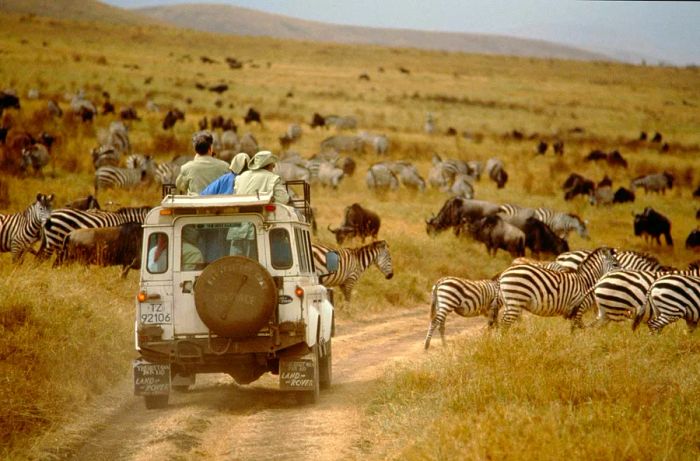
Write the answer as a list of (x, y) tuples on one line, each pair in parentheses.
[(468, 298), (352, 262), (550, 293), (19, 230)]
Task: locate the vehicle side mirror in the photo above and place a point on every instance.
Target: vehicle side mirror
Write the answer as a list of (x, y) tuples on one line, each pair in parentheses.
[(332, 261)]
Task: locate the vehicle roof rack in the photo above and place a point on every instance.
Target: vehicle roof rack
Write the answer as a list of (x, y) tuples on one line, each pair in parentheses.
[(300, 197)]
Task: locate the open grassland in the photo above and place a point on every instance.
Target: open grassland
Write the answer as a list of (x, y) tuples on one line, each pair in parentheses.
[(65, 334)]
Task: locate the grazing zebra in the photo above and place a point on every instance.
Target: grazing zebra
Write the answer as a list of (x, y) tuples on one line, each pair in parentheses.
[(352, 262), (19, 230), (64, 220), (562, 223), (468, 298), (628, 259), (548, 293), (670, 298), (166, 172), (112, 176)]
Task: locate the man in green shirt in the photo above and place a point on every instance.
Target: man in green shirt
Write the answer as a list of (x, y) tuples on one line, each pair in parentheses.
[(196, 174), (260, 178)]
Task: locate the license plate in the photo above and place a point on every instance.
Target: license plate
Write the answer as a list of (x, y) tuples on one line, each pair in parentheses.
[(151, 378), (297, 375), (155, 313)]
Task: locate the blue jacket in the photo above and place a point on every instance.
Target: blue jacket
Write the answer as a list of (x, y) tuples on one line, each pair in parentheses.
[(222, 185)]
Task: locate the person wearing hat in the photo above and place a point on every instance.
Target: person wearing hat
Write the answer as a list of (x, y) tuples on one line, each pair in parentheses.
[(260, 178), (196, 174), (224, 184)]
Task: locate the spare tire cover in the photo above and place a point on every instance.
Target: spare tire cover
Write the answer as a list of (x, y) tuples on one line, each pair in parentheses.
[(235, 296)]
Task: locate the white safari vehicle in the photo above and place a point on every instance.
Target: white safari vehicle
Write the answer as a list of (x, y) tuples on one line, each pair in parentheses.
[(228, 286)]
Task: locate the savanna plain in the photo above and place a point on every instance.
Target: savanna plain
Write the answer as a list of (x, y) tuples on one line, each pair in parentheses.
[(535, 392)]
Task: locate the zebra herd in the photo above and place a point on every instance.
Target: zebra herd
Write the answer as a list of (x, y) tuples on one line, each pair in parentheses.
[(622, 284), (19, 231)]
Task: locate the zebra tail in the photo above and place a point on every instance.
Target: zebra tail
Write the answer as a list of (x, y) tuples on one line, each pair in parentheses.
[(578, 302), (433, 303)]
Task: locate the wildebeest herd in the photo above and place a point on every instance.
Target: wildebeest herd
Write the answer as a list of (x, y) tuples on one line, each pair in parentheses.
[(83, 232)]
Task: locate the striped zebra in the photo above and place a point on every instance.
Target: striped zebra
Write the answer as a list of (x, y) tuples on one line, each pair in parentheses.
[(468, 298), (112, 176), (562, 223), (549, 293), (63, 221), (18, 231), (628, 259), (166, 172), (670, 298), (352, 262)]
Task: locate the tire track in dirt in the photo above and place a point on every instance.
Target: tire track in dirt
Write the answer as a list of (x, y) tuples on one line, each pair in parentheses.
[(219, 419)]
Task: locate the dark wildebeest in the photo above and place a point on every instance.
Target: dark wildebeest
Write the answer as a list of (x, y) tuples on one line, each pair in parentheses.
[(693, 240), (129, 113), (84, 203), (540, 238), (252, 116), (615, 158), (104, 246), (358, 222), (651, 223), (623, 195), (595, 155), (576, 184), (457, 211), (8, 101), (171, 117), (317, 120), (496, 233), (657, 137), (219, 88), (542, 147), (558, 147)]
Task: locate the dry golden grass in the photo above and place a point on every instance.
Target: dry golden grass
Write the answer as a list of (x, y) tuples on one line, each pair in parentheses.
[(82, 319)]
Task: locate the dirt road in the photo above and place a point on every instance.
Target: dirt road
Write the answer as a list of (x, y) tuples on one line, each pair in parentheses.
[(218, 419)]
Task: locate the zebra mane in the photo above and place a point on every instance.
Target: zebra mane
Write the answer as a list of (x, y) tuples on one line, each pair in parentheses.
[(130, 208), (595, 253)]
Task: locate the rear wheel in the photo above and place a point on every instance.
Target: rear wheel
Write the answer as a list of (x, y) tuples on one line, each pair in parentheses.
[(325, 367), (155, 402), (312, 396)]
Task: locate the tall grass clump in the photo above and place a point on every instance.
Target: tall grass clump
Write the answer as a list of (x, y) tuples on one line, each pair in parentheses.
[(539, 392), (60, 344)]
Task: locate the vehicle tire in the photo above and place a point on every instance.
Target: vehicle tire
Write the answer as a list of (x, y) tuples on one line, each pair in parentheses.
[(155, 402), (325, 367), (312, 396)]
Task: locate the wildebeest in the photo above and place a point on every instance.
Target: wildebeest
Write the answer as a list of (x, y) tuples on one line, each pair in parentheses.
[(657, 182), (497, 172), (657, 137), (542, 147), (82, 107), (220, 88), (8, 101), (84, 203), (35, 157), (693, 240), (594, 155), (615, 159), (456, 211), (317, 120), (651, 223), (575, 185), (171, 117), (539, 238), (496, 233), (252, 116), (558, 147), (129, 113), (623, 195), (104, 246), (357, 222)]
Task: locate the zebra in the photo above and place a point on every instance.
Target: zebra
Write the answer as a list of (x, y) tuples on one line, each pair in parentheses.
[(548, 293), (628, 259), (562, 223), (468, 298), (112, 176), (670, 298), (352, 262), (657, 182), (62, 221), (18, 231), (166, 172)]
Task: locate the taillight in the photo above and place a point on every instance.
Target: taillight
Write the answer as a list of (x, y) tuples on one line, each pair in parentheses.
[(299, 291)]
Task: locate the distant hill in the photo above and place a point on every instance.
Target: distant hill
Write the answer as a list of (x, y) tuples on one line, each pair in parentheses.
[(227, 19), (232, 20), (80, 10)]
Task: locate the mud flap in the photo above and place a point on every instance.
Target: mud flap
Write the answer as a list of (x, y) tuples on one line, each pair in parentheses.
[(298, 373), (151, 378)]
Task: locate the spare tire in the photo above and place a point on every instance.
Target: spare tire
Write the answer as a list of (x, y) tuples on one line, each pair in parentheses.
[(235, 296)]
